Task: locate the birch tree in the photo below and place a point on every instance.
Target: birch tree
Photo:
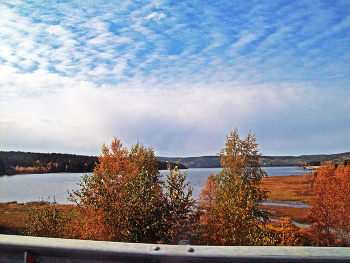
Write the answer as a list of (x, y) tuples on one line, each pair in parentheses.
[(238, 218)]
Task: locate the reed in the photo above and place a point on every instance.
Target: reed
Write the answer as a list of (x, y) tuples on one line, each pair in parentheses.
[(289, 188)]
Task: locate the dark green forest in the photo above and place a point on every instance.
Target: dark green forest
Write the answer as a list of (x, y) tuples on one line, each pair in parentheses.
[(27, 163), (214, 161)]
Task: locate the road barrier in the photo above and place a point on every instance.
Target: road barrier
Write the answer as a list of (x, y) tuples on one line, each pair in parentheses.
[(40, 249)]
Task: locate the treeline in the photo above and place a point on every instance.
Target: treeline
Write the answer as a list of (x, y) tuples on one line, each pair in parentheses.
[(27, 162), (196, 162), (304, 159), (30, 163), (214, 161)]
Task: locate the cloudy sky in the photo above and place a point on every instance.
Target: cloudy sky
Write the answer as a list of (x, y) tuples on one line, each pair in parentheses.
[(175, 75)]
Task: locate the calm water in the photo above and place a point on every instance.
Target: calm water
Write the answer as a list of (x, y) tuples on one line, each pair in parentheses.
[(33, 187)]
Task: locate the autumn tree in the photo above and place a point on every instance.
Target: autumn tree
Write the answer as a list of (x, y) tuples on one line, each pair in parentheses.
[(330, 207), (323, 207), (182, 220), (105, 196), (148, 202), (238, 219), (125, 200), (342, 176), (208, 216)]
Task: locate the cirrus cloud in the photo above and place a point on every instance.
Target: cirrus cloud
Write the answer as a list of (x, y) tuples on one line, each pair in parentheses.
[(176, 76)]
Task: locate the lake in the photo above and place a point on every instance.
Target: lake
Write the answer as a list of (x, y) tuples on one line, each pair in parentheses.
[(32, 187)]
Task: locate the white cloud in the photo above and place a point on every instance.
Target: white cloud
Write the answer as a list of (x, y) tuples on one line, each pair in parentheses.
[(179, 83), (105, 111), (101, 39), (119, 67), (245, 39), (94, 26), (156, 16), (6, 52), (57, 31)]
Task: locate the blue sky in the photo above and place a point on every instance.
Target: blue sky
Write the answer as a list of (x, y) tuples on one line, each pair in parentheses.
[(175, 75)]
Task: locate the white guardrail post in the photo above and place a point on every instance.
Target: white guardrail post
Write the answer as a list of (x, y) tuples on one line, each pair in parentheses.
[(39, 249)]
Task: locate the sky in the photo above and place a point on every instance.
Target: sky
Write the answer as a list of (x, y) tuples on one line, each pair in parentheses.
[(177, 76)]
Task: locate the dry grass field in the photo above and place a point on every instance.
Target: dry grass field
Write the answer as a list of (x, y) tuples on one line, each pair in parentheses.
[(12, 217), (289, 188)]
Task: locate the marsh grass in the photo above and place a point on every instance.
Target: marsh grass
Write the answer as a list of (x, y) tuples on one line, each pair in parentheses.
[(289, 188), (13, 216)]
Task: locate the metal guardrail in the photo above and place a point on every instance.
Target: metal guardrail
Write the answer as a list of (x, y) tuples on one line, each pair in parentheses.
[(39, 249)]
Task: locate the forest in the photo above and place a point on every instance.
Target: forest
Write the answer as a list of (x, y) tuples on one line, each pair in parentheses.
[(125, 200), (31, 163), (214, 161), (26, 162)]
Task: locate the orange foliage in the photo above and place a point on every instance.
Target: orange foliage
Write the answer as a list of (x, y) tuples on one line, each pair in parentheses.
[(103, 199), (124, 199), (289, 234), (330, 207), (342, 177), (297, 214), (206, 205)]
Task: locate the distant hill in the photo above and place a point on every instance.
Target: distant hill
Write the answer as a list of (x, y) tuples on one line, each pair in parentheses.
[(214, 161), (29, 163), (195, 162), (304, 159)]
